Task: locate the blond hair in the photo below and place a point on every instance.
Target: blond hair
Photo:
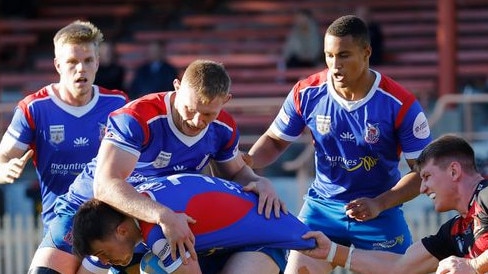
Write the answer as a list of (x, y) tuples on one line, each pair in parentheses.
[(78, 32)]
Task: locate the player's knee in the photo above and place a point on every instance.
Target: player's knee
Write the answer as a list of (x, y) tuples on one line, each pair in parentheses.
[(42, 270)]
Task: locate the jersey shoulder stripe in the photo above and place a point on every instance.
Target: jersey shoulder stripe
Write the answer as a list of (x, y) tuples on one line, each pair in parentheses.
[(313, 80), (406, 98), (23, 104), (228, 121), (113, 92), (145, 109)]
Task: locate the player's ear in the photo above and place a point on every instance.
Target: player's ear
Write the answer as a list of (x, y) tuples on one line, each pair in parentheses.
[(367, 51), (176, 84), (122, 229), (57, 65), (227, 98)]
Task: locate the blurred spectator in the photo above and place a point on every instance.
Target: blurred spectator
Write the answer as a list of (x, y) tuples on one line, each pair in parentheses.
[(375, 35), (304, 43), (156, 74), (110, 73)]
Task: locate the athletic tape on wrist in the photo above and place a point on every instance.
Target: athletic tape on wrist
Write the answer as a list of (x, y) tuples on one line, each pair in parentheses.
[(332, 252), (349, 257)]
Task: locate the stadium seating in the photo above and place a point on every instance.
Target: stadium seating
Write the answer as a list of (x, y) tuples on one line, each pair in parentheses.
[(247, 36)]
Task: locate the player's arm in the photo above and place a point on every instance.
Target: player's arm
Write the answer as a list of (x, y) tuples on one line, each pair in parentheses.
[(12, 160), (267, 149), (415, 260), (407, 188), (114, 165)]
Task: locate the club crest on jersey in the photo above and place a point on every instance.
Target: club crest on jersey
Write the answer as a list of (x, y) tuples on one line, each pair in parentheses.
[(372, 134), (56, 134), (322, 123), (162, 160)]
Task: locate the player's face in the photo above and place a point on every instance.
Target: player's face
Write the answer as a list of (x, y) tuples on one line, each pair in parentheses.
[(117, 250), (346, 59), (191, 116), (77, 65), (438, 185)]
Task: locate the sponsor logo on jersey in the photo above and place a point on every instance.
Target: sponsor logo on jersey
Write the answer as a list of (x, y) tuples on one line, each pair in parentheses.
[(372, 134), (66, 168), (322, 123), (162, 160), (81, 142), (421, 127), (347, 137), (367, 162), (389, 243), (56, 134)]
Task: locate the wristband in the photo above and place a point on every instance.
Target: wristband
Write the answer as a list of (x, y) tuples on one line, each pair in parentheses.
[(332, 252), (349, 257)]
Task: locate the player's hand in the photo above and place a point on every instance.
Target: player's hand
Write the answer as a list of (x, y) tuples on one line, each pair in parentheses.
[(363, 209), (268, 198), (179, 236), (12, 170), (455, 265), (322, 248)]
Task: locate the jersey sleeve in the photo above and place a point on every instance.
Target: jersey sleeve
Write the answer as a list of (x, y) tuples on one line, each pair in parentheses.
[(289, 124), (125, 132), (414, 131), (19, 132), (441, 245)]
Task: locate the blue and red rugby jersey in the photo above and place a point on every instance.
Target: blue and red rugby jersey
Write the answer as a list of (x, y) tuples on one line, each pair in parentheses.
[(145, 128), (226, 217), (357, 143), (64, 137)]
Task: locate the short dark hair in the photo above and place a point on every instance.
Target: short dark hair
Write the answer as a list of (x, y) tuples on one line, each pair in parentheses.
[(446, 149), (94, 220), (350, 25)]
